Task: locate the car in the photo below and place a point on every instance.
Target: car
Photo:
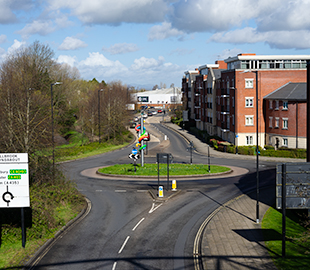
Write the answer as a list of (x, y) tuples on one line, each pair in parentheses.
[(136, 119), (154, 112), (160, 111), (132, 124), (149, 114)]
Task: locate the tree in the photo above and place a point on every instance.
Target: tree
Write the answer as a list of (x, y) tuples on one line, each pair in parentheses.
[(24, 101)]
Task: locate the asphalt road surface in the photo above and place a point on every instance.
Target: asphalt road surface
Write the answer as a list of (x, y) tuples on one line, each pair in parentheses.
[(127, 228)]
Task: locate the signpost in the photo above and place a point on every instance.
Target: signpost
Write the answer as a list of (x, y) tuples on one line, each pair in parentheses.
[(164, 158), (292, 190), (14, 184), (134, 155)]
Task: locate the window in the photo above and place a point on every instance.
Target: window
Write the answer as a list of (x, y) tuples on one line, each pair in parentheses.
[(285, 142), (249, 83), (285, 105), (233, 119), (285, 123), (249, 140), (277, 105), (233, 102), (248, 102), (249, 120), (270, 104), (270, 121), (276, 122)]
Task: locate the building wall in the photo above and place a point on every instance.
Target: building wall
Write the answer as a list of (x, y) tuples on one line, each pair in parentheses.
[(268, 81), (296, 131)]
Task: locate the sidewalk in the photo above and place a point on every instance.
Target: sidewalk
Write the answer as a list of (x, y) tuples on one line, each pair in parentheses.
[(233, 240)]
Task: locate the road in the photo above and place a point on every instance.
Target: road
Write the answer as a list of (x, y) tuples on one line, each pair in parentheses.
[(127, 228)]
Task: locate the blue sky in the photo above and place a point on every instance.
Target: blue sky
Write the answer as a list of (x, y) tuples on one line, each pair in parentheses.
[(148, 42)]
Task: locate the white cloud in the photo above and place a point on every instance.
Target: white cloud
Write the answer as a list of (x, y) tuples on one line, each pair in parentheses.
[(72, 43), (8, 7), (163, 31), (39, 27), (70, 60), (3, 39), (147, 64), (122, 48), (97, 65), (16, 45), (115, 12), (275, 39)]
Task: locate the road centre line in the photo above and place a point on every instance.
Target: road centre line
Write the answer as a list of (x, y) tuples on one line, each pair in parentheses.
[(124, 244), (135, 227), (120, 190)]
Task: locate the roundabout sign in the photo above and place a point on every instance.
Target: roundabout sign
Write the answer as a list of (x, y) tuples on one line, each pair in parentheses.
[(14, 180)]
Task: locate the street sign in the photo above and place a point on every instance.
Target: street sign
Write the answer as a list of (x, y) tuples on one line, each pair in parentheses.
[(134, 151), (14, 180), (297, 187), (160, 191)]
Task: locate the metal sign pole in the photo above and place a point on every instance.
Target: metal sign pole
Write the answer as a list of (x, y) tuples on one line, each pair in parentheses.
[(167, 171), (23, 227), (142, 143), (283, 208), (157, 171)]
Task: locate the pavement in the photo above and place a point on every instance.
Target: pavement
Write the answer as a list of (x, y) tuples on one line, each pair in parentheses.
[(230, 238)]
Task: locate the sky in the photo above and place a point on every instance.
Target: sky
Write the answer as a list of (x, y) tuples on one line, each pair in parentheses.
[(143, 43)]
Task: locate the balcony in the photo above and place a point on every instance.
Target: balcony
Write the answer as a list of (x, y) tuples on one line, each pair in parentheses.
[(225, 127), (225, 92), (225, 109)]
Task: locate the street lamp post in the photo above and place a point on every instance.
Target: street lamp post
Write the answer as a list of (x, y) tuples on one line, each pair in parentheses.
[(52, 116), (100, 90)]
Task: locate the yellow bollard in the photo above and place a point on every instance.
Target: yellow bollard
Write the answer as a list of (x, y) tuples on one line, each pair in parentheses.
[(174, 185)]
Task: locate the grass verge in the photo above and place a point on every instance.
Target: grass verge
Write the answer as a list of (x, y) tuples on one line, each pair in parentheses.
[(297, 247), (52, 206), (152, 169)]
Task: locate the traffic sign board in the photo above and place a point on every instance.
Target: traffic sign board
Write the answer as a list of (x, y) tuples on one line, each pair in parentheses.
[(134, 151), (14, 180)]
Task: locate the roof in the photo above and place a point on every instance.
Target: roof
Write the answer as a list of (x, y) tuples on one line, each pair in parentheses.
[(290, 91), (266, 57), (164, 91)]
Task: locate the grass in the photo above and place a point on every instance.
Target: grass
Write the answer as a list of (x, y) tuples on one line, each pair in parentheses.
[(152, 169), (52, 206), (297, 250)]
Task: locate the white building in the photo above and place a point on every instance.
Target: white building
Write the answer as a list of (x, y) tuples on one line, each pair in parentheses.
[(159, 98)]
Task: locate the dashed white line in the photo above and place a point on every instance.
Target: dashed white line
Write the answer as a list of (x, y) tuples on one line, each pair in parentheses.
[(135, 227), (114, 266), (126, 240), (120, 190), (98, 190)]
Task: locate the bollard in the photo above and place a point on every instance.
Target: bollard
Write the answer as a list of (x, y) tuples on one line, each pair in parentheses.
[(160, 191), (174, 185)]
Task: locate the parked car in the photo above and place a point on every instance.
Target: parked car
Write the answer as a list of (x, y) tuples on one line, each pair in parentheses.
[(149, 114), (132, 124), (154, 112), (160, 111), (136, 119)]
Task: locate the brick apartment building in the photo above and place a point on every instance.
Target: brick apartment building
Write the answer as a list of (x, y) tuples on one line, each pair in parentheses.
[(225, 100)]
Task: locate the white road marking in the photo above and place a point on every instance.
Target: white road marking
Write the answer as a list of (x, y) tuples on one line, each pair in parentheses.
[(120, 190), (126, 240), (114, 266), (135, 227), (142, 190), (154, 208), (98, 190)]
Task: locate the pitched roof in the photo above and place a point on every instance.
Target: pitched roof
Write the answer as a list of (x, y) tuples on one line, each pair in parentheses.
[(290, 91)]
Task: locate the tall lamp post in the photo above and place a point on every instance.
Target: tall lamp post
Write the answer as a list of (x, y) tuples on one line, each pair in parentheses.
[(100, 90), (52, 116), (257, 160)]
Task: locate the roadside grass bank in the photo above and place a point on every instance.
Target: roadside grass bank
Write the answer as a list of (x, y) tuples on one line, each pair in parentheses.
[(297, 235), (53, 205), (152, 169)]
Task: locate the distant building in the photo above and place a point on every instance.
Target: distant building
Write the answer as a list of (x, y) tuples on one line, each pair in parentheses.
[(160, 98)]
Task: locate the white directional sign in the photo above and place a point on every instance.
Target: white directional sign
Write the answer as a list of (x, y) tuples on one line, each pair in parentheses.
[(14, 180)]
